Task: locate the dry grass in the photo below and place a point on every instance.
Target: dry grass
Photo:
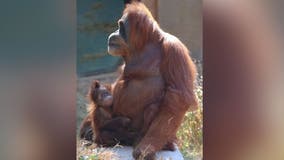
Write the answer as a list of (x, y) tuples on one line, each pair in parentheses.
[(93, 153), (190, 133)]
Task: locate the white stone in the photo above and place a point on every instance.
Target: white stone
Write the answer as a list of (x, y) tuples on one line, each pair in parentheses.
[(125, 153)]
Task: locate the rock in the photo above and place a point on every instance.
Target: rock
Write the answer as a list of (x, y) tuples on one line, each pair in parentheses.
[(125, 153)]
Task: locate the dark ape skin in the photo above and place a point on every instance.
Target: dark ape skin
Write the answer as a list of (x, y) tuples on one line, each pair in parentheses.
[(129, 1)]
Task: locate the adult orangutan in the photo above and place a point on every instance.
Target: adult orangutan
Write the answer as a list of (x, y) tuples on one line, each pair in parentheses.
[(156, 84), (158, 71)]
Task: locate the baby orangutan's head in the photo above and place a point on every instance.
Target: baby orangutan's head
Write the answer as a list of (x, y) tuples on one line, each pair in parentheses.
[(100, 94)]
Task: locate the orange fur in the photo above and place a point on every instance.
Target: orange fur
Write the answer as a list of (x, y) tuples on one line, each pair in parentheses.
[(158, 71), (158, 65)]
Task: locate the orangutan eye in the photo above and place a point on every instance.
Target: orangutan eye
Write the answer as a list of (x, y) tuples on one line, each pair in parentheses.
[(120, 23), (104, 94), (122, 32)]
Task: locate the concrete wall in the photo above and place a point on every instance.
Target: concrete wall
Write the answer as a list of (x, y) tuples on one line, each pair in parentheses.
[(182, 18)]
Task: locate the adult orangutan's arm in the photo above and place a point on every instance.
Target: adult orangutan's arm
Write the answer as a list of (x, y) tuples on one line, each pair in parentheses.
[(179, 73)]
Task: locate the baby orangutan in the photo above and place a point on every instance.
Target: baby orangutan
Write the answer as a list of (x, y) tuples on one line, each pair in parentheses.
[(108, 130)]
